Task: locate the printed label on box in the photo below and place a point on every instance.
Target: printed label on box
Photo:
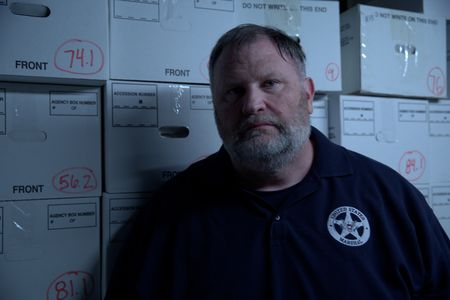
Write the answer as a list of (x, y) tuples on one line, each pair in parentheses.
[(144, 10), (134, 105), (359, 117), (121, 213), (227, 5), (66, 216), (410, 112), (319, 109), (201, 98), (441, 201), (75, 104), (439, 120), (134, 95)]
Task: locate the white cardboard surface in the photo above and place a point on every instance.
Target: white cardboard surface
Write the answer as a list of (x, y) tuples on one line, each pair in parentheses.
[(171, 40), (117, 218), (319, 117), (439, 138), (50, 141), (393, 131), (145, 132), (393, 52), (440, 200), (50, 249), (70, 43)]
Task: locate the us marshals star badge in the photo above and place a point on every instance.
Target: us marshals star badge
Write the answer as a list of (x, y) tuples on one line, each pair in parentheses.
[(349, 226)]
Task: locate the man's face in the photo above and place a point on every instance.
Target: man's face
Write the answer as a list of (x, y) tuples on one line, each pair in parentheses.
[(262, 105)]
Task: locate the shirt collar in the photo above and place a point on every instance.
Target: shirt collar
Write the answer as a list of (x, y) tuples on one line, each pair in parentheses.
[(330, 159)]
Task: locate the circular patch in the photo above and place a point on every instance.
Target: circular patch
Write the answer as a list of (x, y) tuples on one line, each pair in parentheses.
[(349, 226)]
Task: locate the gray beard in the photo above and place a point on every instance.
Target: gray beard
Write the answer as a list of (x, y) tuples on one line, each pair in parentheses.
[(254, 153)]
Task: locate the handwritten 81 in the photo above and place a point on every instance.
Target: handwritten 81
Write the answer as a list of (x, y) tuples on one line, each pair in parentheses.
[(412, 165), (78, 56), (70, 286)]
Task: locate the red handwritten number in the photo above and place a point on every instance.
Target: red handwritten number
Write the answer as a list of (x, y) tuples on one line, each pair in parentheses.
[(68, 180), (71, 288), (78, 54), (63, 291), (64, 184), (60, 288), (436, 81), (85, 287), (436, 87), (410, 166), (87, 184), (72, 55), (330, 73), (92, 57), (75, 180)]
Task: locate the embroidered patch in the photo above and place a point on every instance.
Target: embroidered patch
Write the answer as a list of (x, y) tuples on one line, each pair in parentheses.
[(349, 226)]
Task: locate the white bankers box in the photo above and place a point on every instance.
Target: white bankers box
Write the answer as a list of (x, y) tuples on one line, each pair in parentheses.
[(316, 23), (154, 130), (166, 40), (50, 249), (439, 130), (50, 141), (440, 202), (393, 52), (54, 39), (319, 117), (439, 138), (393, 131), (119, 211), (171, 40), (448, 50)]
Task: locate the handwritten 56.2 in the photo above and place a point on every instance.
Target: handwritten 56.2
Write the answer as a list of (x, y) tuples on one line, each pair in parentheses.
[(75, 180)]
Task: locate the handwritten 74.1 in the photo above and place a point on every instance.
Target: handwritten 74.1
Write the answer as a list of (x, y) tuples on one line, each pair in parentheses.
[(79, 57)]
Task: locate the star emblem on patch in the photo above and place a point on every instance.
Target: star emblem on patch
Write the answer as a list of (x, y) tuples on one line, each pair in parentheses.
[(349, 226)]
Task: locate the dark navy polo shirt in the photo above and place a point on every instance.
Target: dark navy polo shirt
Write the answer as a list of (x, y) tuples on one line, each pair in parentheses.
[(353, 229)]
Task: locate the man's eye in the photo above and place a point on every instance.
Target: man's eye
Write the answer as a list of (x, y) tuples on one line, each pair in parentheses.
[(270, 83), (233, 94)]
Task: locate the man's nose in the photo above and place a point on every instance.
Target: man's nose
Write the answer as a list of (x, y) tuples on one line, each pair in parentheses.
[(254, 101)]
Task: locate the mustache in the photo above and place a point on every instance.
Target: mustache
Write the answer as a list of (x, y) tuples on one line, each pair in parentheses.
[(253, 121)]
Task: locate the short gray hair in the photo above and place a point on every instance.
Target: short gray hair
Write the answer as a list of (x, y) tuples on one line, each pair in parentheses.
[(245, 34)]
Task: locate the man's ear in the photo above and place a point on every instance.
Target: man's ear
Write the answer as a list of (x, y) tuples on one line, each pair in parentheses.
[(308, 88)]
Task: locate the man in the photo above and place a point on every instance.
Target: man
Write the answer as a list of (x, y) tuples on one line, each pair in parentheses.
[(279, 212)]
